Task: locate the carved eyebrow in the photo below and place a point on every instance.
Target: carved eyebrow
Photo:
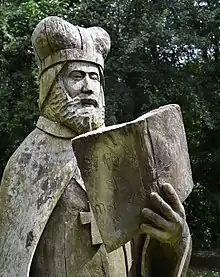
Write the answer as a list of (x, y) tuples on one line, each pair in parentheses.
[(95, 73), (84, 72), (77, 71), (92, 72), (77, 74)]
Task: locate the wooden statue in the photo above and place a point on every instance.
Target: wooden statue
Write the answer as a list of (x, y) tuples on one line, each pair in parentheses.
[(48, 224)]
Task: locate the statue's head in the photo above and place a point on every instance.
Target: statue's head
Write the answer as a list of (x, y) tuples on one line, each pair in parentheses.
[(71, 62)]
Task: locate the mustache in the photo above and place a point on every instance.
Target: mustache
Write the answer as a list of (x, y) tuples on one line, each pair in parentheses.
[(89, 101), (84, 101)]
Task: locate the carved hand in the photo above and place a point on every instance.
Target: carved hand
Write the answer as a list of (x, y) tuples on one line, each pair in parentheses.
[(168, 225)]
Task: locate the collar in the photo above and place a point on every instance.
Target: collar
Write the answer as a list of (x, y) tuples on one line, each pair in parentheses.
[(54, 128)]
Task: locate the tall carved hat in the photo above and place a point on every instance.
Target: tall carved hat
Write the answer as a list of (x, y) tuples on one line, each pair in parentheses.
[(56, 40)]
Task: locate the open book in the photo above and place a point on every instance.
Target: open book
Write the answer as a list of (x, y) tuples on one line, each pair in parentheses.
[(122, 164)]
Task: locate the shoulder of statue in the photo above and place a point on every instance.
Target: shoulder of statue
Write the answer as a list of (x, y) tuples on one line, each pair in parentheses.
[(54, 128)]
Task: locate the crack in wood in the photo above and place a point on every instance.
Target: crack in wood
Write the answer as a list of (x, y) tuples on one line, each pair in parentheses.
[(64, 252)]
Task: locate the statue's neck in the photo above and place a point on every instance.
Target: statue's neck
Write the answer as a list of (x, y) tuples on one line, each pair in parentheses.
[(54, 128)]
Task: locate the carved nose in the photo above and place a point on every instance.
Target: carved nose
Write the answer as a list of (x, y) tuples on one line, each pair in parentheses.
[(86, 87), (87, 91)]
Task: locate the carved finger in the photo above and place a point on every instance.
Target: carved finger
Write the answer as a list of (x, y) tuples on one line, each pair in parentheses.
[(158, 220), (164, 208), (155, 233), (173, 199)]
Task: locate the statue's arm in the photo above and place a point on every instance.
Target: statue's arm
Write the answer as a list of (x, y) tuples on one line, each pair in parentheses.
[(167, 251)]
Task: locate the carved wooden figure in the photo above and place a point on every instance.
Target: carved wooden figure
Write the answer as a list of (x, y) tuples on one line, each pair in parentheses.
[(47, 225)]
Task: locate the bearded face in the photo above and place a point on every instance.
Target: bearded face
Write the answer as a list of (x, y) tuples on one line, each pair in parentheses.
[(76, 100)]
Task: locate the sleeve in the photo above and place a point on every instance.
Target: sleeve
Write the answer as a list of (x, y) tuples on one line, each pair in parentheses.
[(160, 259), (154, 259)]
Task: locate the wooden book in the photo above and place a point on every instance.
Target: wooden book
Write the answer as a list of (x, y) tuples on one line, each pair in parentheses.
[(122, 164)]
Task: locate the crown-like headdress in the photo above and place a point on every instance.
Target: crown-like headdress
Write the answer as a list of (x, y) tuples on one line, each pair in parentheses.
[(56, 40)]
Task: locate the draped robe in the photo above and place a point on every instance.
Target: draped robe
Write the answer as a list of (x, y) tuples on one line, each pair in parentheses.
[(46, 227)]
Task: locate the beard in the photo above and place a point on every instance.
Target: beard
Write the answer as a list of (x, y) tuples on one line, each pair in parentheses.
[(67, 111)]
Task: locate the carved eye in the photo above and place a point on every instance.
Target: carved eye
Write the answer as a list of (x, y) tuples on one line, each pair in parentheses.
[(77, 75), (94, 76)]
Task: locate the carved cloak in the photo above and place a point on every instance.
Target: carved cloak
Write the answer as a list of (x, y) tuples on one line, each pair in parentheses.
[(33, 181)]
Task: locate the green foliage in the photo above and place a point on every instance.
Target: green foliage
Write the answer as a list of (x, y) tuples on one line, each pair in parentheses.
[(203, 215), (162, 52)]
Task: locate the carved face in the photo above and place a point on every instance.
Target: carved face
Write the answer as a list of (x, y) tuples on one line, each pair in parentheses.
[(82, 82), (77, 99)]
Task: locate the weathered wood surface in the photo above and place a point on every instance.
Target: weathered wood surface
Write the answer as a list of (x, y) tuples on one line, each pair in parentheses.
[(33, 181), (122, 164), (40, 169), (56, 40)]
